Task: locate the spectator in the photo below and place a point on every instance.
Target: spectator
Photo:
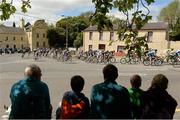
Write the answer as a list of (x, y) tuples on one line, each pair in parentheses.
[(156, 102), (108, 99), (135, 94), (75, 105), (30, 97)]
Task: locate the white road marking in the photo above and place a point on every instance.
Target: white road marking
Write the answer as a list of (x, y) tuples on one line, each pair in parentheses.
[(130, 74), (155, 69)]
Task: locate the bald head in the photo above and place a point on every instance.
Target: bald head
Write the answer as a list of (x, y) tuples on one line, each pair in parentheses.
[(33, 71)]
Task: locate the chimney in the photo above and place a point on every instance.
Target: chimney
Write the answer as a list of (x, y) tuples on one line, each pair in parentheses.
[(22, 23)]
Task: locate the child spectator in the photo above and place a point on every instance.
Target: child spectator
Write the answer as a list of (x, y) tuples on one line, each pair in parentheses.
[(135, 93), (75, 105)]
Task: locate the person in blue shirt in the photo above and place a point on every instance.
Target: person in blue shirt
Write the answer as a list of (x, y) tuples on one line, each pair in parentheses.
[(30, 96), (108, 99)]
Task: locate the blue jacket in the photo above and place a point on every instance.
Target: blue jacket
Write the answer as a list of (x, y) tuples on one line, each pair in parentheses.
[(30, 99), (110, 101)]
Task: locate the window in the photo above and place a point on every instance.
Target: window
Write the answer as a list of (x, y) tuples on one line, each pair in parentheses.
[(120, 48), (102, 47), (37, 35), (44, 44), (37, 44), (90, 35), (14, 38), (7, 46), (111, 35), (14, 46), (22, 46), (21, 38), (44, 35), (6, 39), (90, 47), (100, 35), (150, 36)]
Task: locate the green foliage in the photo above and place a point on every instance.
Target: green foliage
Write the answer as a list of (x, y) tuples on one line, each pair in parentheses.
[(25, 5), (127, 29), (78, 42), (7, 9), (171, 14), (55, 38), (74, 25)]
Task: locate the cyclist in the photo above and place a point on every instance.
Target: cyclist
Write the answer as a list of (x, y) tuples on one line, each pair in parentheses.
[(152, 54)]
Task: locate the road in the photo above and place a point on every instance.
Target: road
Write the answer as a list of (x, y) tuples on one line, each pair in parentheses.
[(57, 75)]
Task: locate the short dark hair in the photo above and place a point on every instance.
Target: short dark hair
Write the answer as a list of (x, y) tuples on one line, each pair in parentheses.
[(77, 83), (135, 81), (110, 72)]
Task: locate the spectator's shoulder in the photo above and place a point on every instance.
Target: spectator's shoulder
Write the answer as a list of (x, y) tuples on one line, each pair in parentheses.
[(98, 85), (18, 83), (121, 88), (43, 83)]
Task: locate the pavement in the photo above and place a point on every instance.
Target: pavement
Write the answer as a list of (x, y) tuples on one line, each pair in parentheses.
[(58, 74)]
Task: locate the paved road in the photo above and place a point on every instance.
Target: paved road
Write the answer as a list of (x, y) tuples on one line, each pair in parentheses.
[(57, 75)]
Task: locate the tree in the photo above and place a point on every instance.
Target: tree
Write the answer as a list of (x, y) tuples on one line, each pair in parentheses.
[(129, 28), (74, 25), (55, 39), (7, 8), (171, 14), (78, 42)]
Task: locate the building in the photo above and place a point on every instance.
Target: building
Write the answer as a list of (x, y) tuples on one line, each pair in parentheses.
[(25, 36), (11, 37), (157, 37)]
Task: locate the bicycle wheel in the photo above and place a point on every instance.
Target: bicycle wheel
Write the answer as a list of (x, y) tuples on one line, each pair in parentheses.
[(146, 62), (123, 61), (94, 60), (157, 62), (112, 60), (176, 63)]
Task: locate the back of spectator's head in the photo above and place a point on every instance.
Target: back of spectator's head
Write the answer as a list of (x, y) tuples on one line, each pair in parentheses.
[(110, 72), (159, 81), (33, 71), (77, 83), (135, 81)]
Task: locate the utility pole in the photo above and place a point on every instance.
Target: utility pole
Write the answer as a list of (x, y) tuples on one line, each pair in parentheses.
[(66, 32), (66, 36)]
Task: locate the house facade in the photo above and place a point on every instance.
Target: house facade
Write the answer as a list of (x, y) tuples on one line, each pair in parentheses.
[(11, 37), (25, 36), (157, 37)]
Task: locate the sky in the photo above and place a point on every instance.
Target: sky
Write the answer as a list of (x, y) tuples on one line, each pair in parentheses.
[(54, 10)]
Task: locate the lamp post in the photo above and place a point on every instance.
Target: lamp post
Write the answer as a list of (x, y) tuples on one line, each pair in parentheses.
[(66, 32), (66, 37)]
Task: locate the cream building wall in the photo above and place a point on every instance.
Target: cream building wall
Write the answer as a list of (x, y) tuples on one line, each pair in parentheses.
[(159, 38), (105, 40), (175, 45), (159, 41), (38, 35), (13, 39), (20, 37)]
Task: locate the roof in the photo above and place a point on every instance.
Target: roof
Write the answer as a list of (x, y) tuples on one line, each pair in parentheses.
[(11, 30), (148, 26)]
